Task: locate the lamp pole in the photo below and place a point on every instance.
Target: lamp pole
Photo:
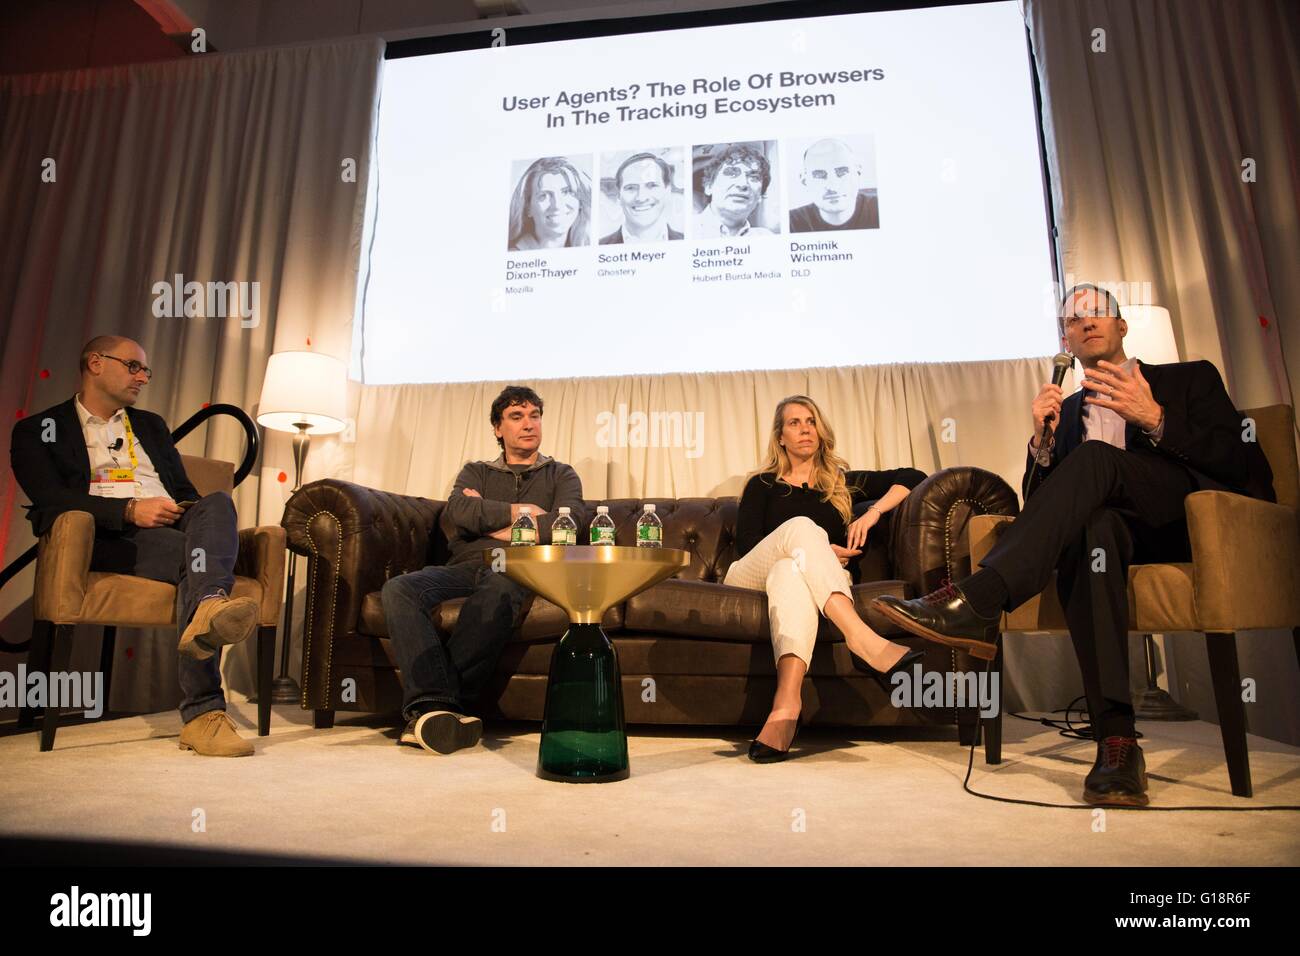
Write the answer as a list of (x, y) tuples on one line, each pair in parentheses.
[(285, 690)]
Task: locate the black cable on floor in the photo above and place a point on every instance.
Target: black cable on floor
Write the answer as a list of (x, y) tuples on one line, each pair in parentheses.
[(1075, 733)]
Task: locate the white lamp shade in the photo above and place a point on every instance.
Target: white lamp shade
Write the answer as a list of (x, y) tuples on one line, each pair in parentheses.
[(1150, 334), (304, 387)]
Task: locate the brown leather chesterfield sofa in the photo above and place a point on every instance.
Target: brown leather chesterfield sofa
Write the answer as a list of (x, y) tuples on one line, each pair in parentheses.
[(704, 646)]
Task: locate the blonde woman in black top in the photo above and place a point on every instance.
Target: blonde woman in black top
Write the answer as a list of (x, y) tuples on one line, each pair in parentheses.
[(795, 536)]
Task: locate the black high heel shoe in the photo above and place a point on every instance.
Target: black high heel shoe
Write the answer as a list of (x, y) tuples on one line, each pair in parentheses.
[(761, 753), (883, 677)]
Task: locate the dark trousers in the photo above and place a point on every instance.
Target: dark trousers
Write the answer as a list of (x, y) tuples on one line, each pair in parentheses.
[(449, 676), (197, 554), (1101, 510)]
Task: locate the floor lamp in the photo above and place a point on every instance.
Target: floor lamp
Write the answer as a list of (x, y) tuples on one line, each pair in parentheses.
[(304, 393)]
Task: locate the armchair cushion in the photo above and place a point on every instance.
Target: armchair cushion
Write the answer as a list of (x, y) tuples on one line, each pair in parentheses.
[(1244, 573), (261, 558), (68, 592), (63, 568), (1246, 554)]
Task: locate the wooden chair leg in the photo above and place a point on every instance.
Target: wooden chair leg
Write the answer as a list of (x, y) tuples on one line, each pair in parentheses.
[(106, 651), (265, 669), (60, 657), (1295, 635), (993, 725), (38, 661), (1226, 676), (322, 719)]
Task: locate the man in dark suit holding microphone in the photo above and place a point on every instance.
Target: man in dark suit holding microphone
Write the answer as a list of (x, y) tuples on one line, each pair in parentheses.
[(1107, 492)]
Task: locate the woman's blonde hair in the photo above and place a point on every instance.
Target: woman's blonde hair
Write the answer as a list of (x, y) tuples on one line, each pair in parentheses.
[(828, 467)]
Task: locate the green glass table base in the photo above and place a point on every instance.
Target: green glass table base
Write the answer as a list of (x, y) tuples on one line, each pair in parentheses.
[(583, 737)]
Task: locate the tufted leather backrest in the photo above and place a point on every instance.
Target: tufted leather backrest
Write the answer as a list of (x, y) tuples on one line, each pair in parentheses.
[(702, 527)]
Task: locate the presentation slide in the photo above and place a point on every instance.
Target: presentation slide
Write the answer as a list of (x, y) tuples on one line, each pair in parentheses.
[(842, 190)]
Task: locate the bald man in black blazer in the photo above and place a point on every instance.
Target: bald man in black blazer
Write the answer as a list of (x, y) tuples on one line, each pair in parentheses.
[(96, 453)]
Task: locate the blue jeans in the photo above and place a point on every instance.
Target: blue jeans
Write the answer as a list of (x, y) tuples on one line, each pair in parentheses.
[(445, 677), (167, 554)]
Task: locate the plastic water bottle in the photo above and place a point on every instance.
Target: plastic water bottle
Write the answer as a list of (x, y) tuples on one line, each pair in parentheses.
[(564, 530), (524, 530), (602, 529), (649, 529)]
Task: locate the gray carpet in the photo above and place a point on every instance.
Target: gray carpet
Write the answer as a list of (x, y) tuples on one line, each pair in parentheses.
[(853, 798)]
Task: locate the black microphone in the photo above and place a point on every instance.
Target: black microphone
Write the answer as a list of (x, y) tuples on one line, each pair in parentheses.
[(805, 486), (1061, 364), (116, 446)]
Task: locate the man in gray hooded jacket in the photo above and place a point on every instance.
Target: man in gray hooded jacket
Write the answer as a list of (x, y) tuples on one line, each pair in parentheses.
[(438, 680)]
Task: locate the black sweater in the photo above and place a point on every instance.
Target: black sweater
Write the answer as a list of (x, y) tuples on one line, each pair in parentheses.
[(767, 503)]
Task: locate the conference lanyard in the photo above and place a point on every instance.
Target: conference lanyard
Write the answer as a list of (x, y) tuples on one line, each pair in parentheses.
[(130, 441)]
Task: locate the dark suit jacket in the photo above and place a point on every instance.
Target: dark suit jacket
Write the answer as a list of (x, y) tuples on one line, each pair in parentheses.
[(1202, 433), (56, 474), (615, 238)]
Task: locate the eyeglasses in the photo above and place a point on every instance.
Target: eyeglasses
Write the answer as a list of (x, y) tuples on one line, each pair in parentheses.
[(134, 367), (1089, 314)]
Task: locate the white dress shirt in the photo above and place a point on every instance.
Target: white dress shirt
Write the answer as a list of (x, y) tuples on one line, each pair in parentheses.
[(101, 434), (1105, 424)]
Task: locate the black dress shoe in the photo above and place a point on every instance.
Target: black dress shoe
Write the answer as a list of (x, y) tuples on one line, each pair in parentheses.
[(944, 616), (762, 753), (913, 656), (1119, 776)]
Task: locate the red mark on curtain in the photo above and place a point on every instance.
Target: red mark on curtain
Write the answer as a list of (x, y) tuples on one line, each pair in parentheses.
[(282, 477), (1263, 322), (45, 373)]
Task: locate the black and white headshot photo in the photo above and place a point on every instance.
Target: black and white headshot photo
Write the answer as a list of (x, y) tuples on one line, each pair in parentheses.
[(551, 205), (834, 187), (731, 183), (641, 196)]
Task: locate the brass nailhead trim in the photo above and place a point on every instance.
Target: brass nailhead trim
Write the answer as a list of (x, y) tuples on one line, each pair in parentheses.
[(312, 563)]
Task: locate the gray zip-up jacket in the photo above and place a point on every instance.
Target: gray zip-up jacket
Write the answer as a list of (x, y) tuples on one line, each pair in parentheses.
[(469, 521)]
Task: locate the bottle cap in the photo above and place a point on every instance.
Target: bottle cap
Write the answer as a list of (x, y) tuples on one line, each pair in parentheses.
[(602, 509), (647, 507), (564, 509)]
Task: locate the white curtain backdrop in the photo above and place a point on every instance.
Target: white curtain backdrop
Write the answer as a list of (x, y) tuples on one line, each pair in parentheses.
[(415, 438), (222, 168)]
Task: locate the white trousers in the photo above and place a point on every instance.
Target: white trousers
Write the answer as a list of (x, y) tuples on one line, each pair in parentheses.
[(797, 568)]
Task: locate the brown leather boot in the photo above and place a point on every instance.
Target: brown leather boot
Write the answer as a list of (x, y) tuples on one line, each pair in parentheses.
[(213, 734), (217, 622)]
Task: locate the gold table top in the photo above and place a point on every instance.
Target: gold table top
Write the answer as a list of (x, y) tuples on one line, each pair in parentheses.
[(586, 580)]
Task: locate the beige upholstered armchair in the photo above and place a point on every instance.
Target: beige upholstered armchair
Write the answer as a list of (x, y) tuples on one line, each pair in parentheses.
[(69, 593), (1244, 575)]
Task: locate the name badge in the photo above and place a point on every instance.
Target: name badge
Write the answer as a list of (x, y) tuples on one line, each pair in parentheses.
[(114, 483)]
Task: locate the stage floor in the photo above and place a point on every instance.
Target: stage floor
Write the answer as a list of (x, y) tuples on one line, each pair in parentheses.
[(693, 798)]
